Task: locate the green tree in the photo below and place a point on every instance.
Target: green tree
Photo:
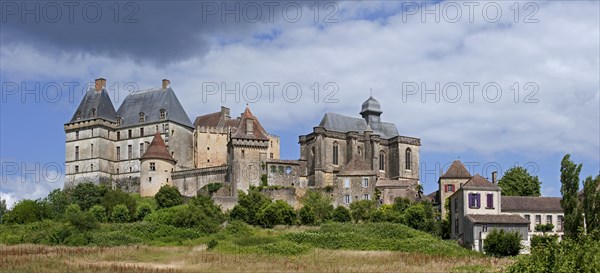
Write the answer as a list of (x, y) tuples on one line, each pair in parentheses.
[(82, 221), (249, 205), (276, 213), (117, 197), (2, 209), (120, 214), (341, 214), (320, 204), (518, 182), (573, 211), (87, 194), (307, 216), (501, 243), (99, 213), (361, 210), (209, 208), (401, 203), (58, 201), (591, 204), (415, 217), (142, 210), (168, 196), (28, 211)]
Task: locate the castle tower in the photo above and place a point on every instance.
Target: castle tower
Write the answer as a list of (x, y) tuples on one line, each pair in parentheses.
[(156, 166), (452, 180)]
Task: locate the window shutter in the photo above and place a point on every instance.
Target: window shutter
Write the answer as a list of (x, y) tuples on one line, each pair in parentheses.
[(445, 188), (490, 200)]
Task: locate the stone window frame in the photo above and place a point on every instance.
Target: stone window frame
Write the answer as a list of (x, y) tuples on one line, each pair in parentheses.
[(408, 159), (363, 180), (142, 117), (152, 166), (76, 152), (347, 183), (382, 160), (163, 114), (347, 199), (76, 168), (336, 153)]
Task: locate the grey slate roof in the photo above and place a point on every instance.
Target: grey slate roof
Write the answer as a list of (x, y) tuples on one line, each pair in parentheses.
[(343, 124), (150, 102), (371, 105), (95, 100), (496, 219), (530, 204)]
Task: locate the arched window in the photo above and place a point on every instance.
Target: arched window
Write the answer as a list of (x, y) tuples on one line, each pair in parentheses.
[(408, 158), (94, 112), (381, 161), (335, 153), (142, 117)]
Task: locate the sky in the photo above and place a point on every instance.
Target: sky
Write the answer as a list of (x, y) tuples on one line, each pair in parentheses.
[(494, 84)]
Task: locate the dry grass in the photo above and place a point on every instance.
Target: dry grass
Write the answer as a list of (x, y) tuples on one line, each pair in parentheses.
[(38, 258)]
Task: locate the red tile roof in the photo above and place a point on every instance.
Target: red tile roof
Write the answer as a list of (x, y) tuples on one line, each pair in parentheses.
[(258, 132), (158, 150), (456, 170), (479, 182)]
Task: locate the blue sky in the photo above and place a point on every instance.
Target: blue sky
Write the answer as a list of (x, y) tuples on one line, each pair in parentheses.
[(545, 60)]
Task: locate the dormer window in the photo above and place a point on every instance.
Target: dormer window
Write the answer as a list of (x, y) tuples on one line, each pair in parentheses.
[(163, 114), (119, 121), (94, 112), (79, 115), (249, 126), (142, 117)]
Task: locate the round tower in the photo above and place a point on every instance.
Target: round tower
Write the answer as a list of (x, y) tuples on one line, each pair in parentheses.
[(156, 166)]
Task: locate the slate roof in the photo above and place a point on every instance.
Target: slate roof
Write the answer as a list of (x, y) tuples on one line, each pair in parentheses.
[(258, 132), (356, 166), (530, 203), (496, 219), (371, 105), (158, 150), (343, 124), (98, 100), (479, 182), (150, 102), (456, 170)]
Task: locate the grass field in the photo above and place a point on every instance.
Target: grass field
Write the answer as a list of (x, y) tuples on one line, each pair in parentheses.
[(41, 258)]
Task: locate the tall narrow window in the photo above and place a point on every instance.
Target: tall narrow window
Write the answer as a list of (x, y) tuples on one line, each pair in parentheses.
[(474, 200), (142, 117), (118, 153), (129, 133), (77, 135), (76, 152), (335, 153), (490, 201), (92, 150), (347, 199), (381, 161), (365, 182), (163, 114), (129, 152), (366, 197), (118, 135), (141, 149), (456, 226), (559, 223), (94, 112), (92, 167), (538, 220), (141, 132), (408, 158), (76, 169), (347, 183), (243, 154), (549, 219), (529, 221)]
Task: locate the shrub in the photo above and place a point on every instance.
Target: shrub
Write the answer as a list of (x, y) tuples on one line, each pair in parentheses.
[(87, 194), (361, 210), (99, 213), (544, 241), (401, 203), (276, 213), (58, 201), (341, 214), (307, 216), (252, 203), (211, 244), (142, 211), (116, 197), (28, 211), (81, 221), (320, 204), (120, 214), (239, 213), (168, 196), (238, 228), (501, 243), (544, 228)]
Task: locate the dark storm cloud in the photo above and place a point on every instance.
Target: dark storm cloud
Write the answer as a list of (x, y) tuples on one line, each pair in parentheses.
[(155, 31)]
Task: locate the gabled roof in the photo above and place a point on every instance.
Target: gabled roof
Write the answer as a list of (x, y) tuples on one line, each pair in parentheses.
[(343, 124), (456, 170), (530, 203), (479, 182), (258, 132), (217, 119), (496, 219), (158, 150), (150, 102), (95, 100), (356, 166)]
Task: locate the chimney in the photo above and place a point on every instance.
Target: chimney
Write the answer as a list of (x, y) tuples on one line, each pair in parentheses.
[(100, 84), (494, 174), (225, 112), (165, 83)]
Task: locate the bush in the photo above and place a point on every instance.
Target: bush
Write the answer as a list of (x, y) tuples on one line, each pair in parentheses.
[(58, 201), (249, 205), (116, 197), (276, 213), (361, 210), (168, 196), (307, 216), (211, 244), (99, 213), (501, 243), (320, 204), (142, 211), (341, 214), (544, 241), (28, 211), (120, 214), (81, 221), (87, 194)]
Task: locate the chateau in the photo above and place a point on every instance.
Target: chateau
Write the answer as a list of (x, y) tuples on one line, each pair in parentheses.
[(150, 141)]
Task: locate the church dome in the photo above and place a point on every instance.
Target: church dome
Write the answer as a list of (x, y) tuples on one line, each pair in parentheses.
[(371, 105)]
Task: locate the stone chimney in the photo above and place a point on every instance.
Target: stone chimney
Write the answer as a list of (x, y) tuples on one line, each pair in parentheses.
[(225, 112), (100, 84), (165, 83), (494, 174)]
